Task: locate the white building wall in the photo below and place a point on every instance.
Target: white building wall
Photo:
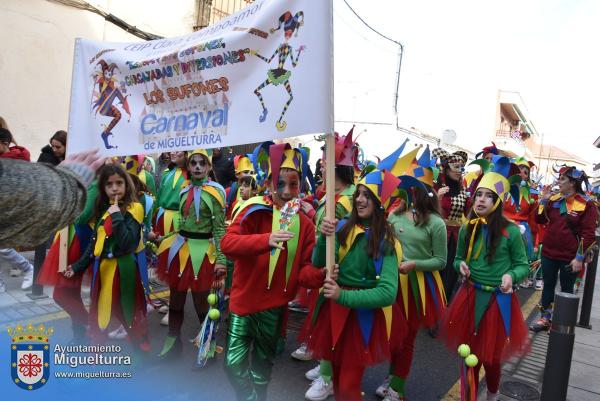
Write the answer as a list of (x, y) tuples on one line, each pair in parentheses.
[(37, 55)]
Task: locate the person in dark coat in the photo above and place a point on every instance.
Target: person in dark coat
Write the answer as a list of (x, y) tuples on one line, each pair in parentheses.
[(223, 167), (54, 153)]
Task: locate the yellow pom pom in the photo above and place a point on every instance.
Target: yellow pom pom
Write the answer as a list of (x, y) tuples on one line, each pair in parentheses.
[(214, 314), (464, 350), (471, 361)]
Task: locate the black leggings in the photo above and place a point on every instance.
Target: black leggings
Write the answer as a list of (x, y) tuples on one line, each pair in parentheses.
[(176, 305), (449, 275), (550, 272)]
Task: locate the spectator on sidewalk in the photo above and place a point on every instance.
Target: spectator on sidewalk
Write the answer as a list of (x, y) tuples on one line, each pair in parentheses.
[(9, 255), (9, 148), (570, 220), (54, 153)]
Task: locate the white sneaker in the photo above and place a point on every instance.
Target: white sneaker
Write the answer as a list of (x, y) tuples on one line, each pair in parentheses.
[(382, 390), (319, 390), (492, 396), (163, 309), (539, 285), (165, 320), (314, 373), (15, 272), (2, 287), (118, 334), (391, 395), (302, 353), (27, 278)]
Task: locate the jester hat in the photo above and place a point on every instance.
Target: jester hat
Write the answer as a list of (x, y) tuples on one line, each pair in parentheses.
[(132, 164), (346, 150), (446, 157), (269, 158), (290, 22), (202, 152), (423, 168), (382, 184), (572, 172), (501, 177), (243, 163), (493, 149)]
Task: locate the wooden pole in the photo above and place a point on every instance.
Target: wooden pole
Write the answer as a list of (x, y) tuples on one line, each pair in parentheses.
[(330, 198)]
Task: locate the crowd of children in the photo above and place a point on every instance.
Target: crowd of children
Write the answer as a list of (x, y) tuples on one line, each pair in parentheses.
[(419, 243)]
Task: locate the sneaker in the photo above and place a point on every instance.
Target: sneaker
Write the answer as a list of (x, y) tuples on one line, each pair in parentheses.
[(15, 272), (302, 353), (492, 396), (539, 285), (392, 395), (2, 287), (297, 307), (382, 390), (542, 324), (163, 309), (165, 320), (27, 279), (314, 373), (528, 283), (118, 334), (319, 390)]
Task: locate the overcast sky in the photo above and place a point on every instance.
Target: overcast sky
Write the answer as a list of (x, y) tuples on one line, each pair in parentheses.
[(459, 53)]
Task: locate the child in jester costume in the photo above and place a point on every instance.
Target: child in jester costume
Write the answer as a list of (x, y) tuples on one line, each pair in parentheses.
[(117, 285), (172, 182), (190, 258), (491, 258), (243, 168), (523, 212), (270, 243), (346, 153), (421, 300), (67, 291), (353, 316)]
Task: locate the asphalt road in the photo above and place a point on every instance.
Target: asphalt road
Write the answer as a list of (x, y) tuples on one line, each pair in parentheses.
[(434, 369)]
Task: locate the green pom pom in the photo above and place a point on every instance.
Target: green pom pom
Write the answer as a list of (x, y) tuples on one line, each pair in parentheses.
[(211, 299), (464, 350), (214, 314), (471, 361)]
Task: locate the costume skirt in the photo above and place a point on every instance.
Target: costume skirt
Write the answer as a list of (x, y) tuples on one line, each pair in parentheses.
[(353, 347), (490, 341), (80, 237)]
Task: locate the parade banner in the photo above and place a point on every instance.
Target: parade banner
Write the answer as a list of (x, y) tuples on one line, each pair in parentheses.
[(262, 73)]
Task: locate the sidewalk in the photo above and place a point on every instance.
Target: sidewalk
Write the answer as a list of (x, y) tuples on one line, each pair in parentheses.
[(15, 305), (522, 379)]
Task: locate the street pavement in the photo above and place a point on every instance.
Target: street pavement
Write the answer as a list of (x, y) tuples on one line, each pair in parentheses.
[(433, 376)]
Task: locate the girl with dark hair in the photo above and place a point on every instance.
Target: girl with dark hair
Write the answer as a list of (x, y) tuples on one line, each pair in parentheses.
[(67, 291), (11, 152), (351, 329), (54, 153), (116, 289), (421, 230), (485, 313), (346, 153), (570, 224)]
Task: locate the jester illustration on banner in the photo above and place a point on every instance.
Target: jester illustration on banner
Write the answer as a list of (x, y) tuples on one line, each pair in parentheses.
[(277, 76), (105, 93)]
